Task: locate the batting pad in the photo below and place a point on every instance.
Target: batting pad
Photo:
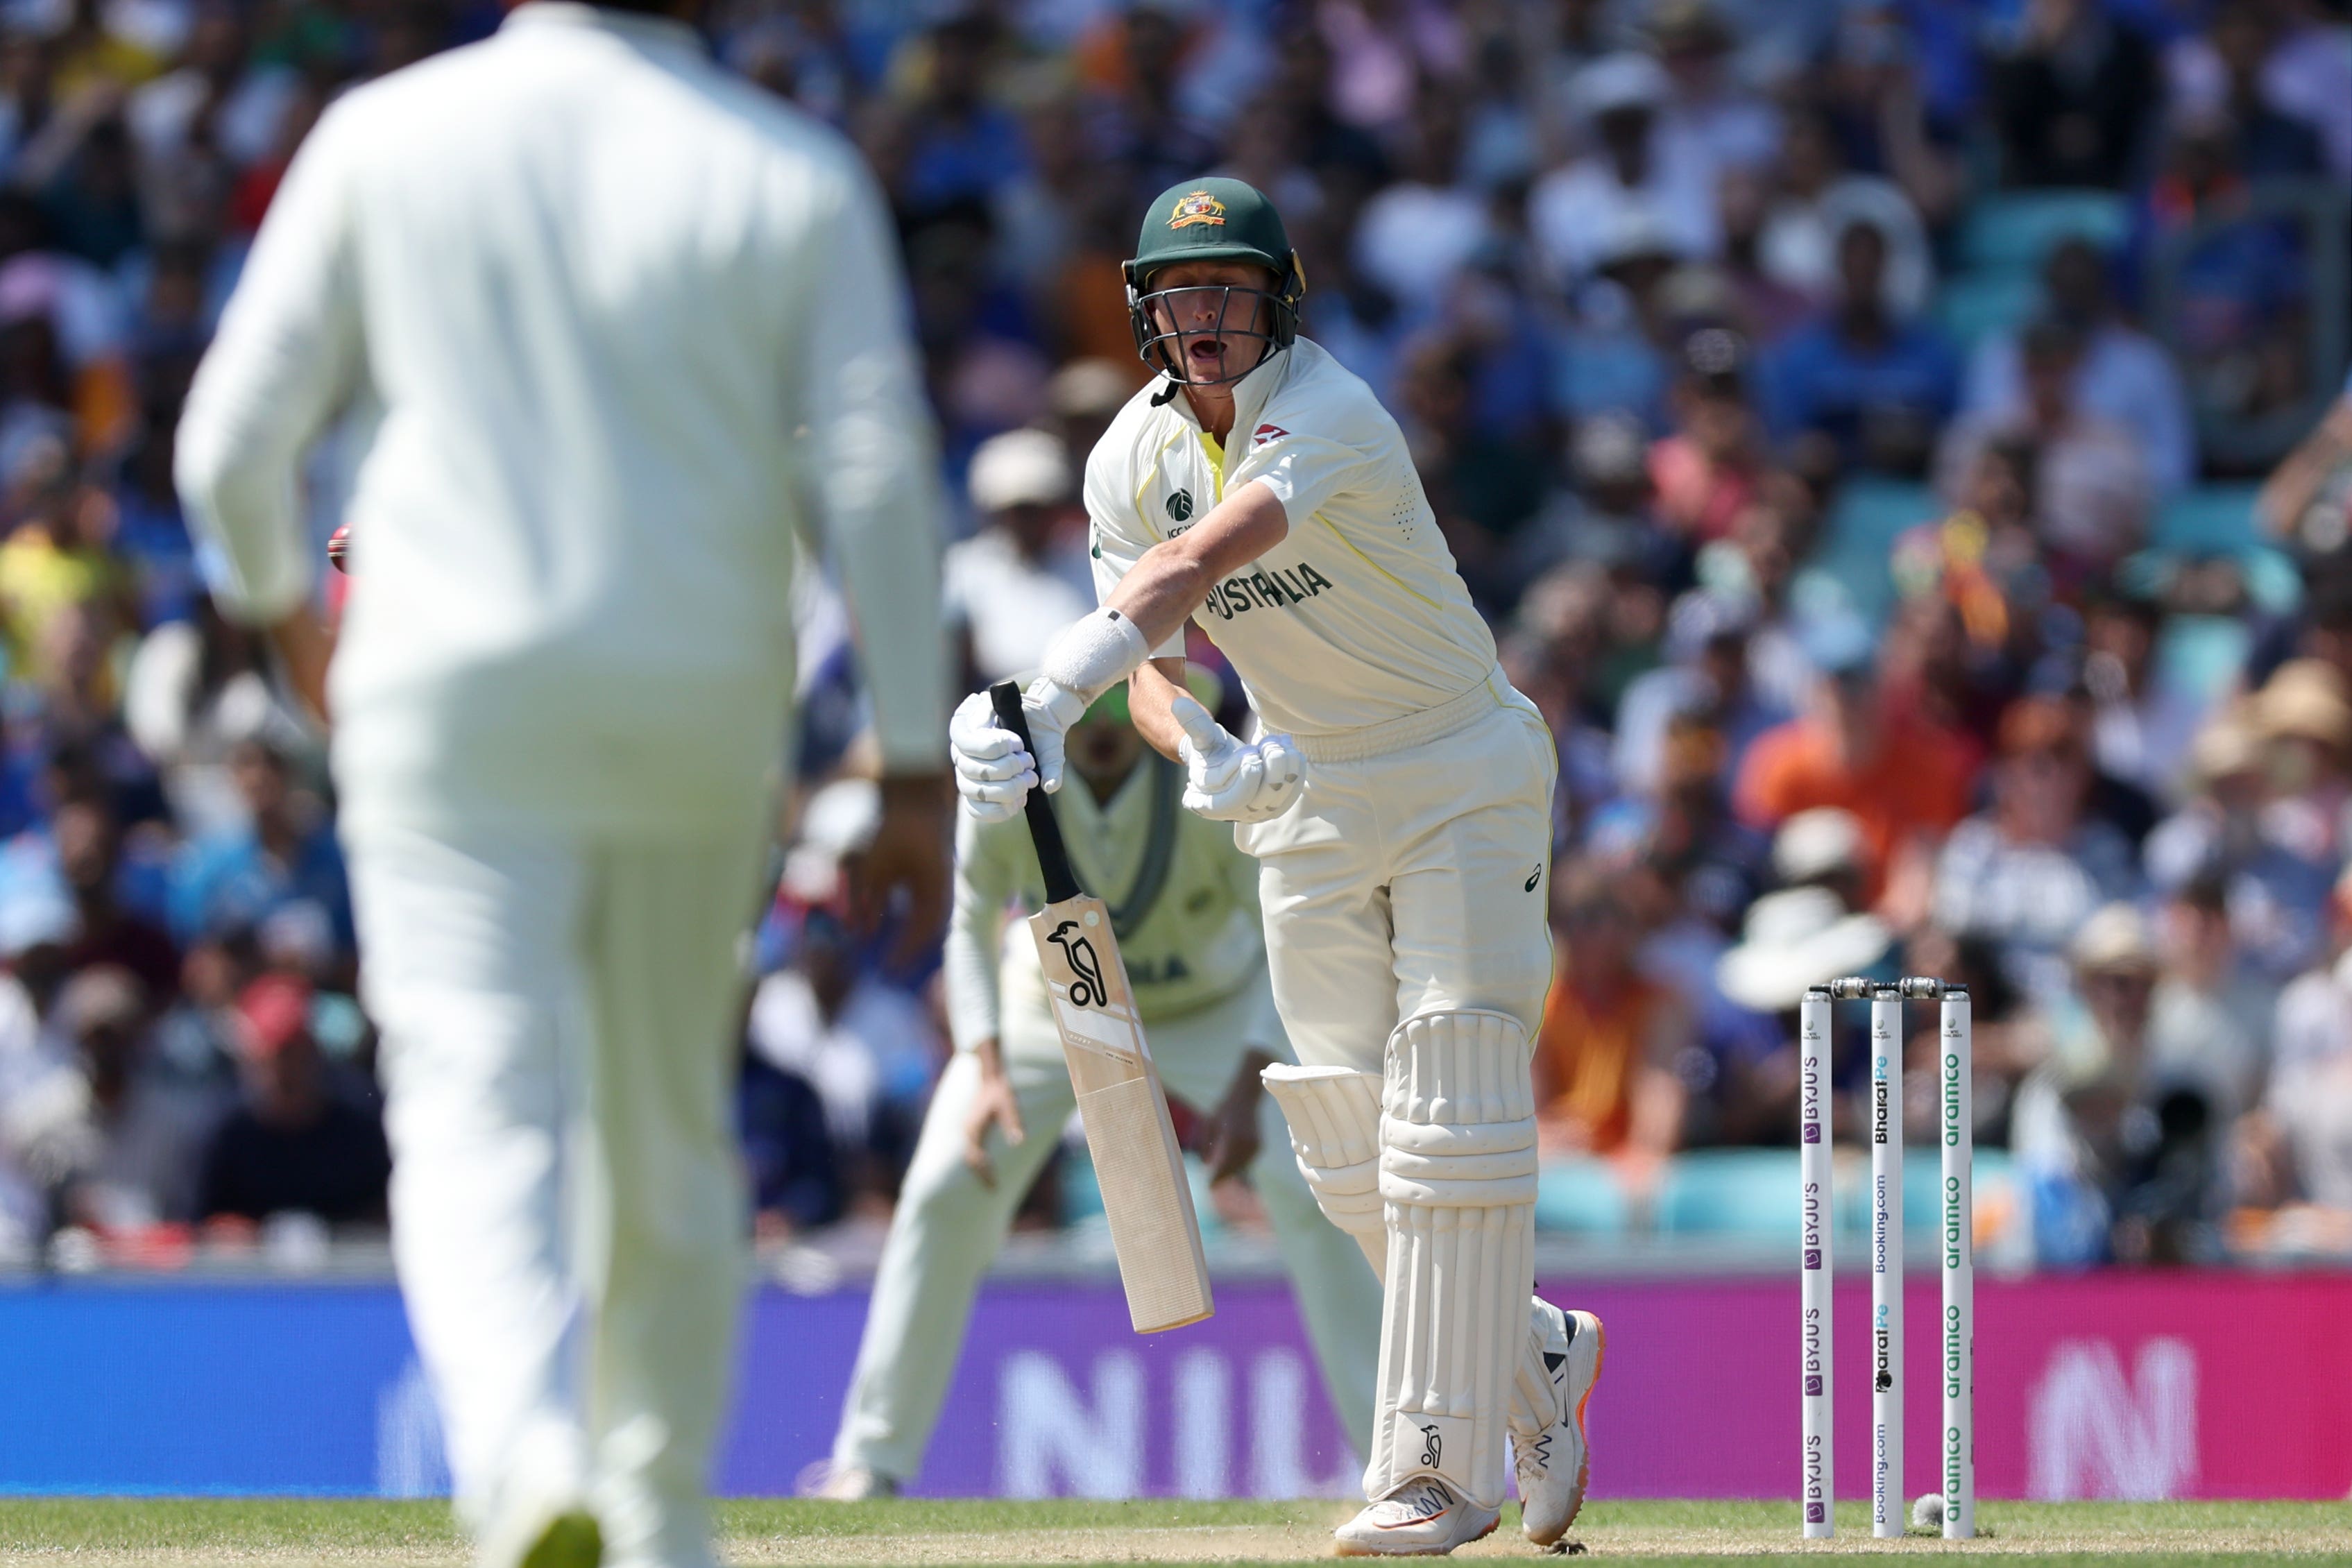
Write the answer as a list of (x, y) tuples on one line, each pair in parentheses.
[(1458, 1182), (1335, 1130)]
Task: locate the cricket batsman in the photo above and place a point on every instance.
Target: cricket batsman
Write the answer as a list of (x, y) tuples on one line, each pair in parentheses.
[(607, 324), (1184, 904), (1398, 800)]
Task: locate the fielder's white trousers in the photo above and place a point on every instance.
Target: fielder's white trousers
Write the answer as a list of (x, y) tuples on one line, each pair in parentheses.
[(559, 1027), (1413, 877), (947, 1225)]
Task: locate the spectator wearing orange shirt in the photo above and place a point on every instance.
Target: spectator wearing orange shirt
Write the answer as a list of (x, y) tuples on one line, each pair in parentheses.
[(1906, 779), (1603, 1060)]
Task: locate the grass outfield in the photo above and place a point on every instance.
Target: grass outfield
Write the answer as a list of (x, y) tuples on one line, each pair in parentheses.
[(111, 1531)]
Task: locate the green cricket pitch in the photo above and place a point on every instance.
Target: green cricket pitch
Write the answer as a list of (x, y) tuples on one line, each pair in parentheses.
[(118, 1532)]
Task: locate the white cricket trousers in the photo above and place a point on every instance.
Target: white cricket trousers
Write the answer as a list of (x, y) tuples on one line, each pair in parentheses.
[(558, 1054), (1405, 901), (1412, 876), (947, 1225)]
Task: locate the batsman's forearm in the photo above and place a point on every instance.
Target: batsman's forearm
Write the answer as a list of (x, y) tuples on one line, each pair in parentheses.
[(1155, 685), (1160, 594), (1173, 577)]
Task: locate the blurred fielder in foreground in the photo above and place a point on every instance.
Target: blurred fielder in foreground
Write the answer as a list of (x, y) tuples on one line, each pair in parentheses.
[(610, 322), (1402, 821), (1183, 902)]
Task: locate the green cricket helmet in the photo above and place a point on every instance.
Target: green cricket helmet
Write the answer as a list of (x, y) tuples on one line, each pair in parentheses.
[(1214, 219)]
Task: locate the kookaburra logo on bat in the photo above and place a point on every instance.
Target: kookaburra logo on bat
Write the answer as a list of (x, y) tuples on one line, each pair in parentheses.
[(1088, 989)]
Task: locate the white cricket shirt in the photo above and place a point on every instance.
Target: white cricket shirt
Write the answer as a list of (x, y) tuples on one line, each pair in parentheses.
[(1357, 617), (612, 323)]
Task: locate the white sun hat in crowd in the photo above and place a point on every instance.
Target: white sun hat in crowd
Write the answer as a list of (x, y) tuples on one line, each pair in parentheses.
[(2116, 940), (839, 821), (1815, 844), (1796, 938), (1086, 387), (1627, 79), (2304, 698), (1020, 467)]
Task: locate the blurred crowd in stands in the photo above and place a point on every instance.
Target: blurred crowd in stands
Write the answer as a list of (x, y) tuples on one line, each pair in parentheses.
[(1902, 444)]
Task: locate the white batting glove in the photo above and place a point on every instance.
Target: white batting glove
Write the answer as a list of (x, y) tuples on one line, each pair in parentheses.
[(994, 772), (1229, 779)]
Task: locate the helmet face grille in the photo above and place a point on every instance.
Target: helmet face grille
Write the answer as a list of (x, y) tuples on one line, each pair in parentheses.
[(1164, 349)]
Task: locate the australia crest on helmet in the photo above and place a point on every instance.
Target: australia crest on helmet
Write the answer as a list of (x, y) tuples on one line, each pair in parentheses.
[(1197, 208)]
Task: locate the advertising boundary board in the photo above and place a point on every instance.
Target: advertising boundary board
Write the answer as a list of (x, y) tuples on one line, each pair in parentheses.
[(2212, 1384)]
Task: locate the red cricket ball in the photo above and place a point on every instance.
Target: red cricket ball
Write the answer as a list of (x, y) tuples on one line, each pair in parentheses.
[(339, 548)]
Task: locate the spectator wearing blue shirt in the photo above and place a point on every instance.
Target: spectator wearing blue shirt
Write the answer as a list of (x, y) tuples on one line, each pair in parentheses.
[(1610, 360), (152, 535), (292, 1144), (285, 853), (2240, 279), (1876, 385), (2026, 873), (794, 1171), (2126, 376), (958, 145), (2271, 144), (2072, 96)]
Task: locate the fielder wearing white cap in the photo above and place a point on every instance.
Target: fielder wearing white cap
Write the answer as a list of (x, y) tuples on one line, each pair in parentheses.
[(1399, 808), (1184, 902), (607, 322)]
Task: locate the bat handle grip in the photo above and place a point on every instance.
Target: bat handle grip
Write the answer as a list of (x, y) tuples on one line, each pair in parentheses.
[(1045, 828)]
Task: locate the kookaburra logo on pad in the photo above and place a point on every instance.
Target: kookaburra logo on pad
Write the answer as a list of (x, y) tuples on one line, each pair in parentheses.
[(1088, 989)]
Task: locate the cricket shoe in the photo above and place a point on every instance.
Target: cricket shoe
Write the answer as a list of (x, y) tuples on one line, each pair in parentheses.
[(542, 1517), (1550, 1453), (829, 1482), (1423, 1518), (572, 1539)]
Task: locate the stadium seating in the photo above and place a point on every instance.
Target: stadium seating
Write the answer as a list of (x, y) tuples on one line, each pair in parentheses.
[(1581, 1195), (1973, 306), (2208, 520), (1866, 519), (1730, 1192), (2014, 230), (1998, 286)]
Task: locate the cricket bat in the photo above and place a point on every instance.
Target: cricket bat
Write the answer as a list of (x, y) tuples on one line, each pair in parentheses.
[(1137, 1164)]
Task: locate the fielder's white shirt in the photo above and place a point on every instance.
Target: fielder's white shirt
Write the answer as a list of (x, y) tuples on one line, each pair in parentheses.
[(1357, 617), (612, 323), (1182, 899)]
